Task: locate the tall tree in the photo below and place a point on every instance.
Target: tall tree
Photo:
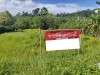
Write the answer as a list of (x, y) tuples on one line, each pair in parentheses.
[(45, 22), (22, 22), (18, 14), (98, 2), (6, 18), (44, 11), (94, 28), (35, 11)]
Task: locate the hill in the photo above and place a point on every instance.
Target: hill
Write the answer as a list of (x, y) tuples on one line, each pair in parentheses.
[(20, 55)]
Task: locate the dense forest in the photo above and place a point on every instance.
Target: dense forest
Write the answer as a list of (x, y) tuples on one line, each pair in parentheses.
[(86, 20)]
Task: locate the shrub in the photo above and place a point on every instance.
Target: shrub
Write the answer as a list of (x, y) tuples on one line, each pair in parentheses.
[(2, 29), (6, 28)]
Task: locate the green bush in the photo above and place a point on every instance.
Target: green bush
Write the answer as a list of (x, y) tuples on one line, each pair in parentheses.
[(2, 29), (6, 28)]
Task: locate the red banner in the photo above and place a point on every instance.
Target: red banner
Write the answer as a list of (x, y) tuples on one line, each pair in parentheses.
[(61, 34)]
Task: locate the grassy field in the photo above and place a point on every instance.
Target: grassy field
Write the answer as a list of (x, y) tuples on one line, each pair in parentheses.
[(20, 55)]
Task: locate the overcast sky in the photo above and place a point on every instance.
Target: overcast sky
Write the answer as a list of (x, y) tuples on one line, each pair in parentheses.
[(54, 6)]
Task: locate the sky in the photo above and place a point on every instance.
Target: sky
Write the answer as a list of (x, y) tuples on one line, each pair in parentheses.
[(54, 6)]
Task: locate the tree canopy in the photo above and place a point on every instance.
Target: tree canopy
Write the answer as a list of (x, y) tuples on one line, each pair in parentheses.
[(6, 18)]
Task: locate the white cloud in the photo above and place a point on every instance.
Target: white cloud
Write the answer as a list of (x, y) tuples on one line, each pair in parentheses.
[(29, 3), (15, 6), (68, 8), (3, 2)]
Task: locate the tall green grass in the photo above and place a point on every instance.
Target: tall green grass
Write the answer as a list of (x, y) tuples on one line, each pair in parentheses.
[(20, 55)]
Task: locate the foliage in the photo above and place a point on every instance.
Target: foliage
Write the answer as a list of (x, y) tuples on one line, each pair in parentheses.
[(9, 28), (94, 27), (44, 11), (2, 29), (45, 22), (35, 11), (83, 13), (36, 21), (6, 18), (22, 23)]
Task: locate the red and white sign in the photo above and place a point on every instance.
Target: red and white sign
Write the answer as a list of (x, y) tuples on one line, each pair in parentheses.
[(62, 39)]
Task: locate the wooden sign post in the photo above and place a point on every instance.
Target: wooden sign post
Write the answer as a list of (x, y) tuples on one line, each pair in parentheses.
[(40, 42)]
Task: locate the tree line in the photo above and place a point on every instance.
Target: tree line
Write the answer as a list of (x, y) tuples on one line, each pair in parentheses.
[(86, 20)]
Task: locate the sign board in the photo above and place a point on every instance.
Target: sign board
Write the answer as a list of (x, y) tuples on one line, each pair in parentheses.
[(62, 39)]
